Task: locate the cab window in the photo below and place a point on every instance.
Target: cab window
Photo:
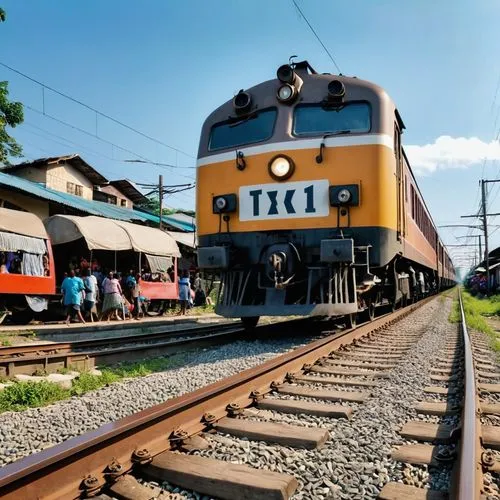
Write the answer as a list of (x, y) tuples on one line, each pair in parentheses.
[(256, 127), (317, 119)]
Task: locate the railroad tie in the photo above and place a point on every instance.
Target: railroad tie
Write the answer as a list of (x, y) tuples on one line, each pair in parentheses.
[(425, 431), (493, 388), (305, 407), (400, 491), (220, 479), (434, 408), (490, 408), (424, 454), (434, 389), (270, 432), (491, 436), (359, 364), (333, 381), (353, 396), (332, 370)]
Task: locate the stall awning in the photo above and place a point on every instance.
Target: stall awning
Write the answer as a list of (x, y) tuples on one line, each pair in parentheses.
[(150, 240), (187, 239), (108, 234), (24, 223), (98, 232)]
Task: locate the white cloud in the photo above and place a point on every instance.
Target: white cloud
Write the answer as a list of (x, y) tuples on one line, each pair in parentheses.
[(451, 152)]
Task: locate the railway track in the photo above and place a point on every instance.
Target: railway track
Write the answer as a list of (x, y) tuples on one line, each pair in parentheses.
[(167, 442), (87, 354)]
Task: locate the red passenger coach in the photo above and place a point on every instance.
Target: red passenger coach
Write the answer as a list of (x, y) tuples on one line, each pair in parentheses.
[(27, 272)]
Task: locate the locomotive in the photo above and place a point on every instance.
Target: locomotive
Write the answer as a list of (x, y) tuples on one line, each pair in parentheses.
[(307, 204)]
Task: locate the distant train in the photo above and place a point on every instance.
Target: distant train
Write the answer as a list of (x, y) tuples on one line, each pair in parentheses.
[(306, 202)]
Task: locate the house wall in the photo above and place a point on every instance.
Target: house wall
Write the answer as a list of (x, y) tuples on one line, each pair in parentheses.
[(31, 174), (38, 207), (119, 196), (59, 175)]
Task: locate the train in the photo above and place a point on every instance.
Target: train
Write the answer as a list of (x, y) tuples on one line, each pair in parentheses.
[(35, 254), (307, 203)]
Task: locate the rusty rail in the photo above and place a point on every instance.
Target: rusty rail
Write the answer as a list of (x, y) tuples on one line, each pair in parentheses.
[(470, 472), (81, 466)]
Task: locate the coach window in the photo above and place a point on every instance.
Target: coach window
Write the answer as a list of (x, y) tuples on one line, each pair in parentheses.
[(255, 127), (318, 119)]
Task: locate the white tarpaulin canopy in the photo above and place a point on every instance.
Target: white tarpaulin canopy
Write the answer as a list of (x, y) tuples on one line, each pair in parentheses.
[(150, 240), (109, 234), (188, 239), (25, 223), (98, 232)]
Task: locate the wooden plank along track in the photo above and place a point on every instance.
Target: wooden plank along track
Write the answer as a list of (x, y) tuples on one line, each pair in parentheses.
[(81, 466)]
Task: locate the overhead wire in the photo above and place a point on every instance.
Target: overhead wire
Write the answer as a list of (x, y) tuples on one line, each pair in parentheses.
[(316, 35), (91, 108)]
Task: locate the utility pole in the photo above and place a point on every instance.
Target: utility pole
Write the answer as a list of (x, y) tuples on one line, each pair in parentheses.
[(484, 217), (479, 241), (160, 195), (161, 190)]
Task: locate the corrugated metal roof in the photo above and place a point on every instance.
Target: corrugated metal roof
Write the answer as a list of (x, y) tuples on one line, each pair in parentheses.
[(86, 206)]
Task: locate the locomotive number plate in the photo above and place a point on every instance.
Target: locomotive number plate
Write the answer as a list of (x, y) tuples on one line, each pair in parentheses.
[(287, 200)]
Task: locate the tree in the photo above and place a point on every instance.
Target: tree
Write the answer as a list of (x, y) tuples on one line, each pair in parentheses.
[(11, 114)]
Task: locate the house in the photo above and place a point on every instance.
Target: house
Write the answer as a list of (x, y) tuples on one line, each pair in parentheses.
[(71, 174), (67, 174), (121, 192)]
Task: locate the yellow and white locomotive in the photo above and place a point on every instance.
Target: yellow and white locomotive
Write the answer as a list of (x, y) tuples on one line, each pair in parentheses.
[(306, 203)]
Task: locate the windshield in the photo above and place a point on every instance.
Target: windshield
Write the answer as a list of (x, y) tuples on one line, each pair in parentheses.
[(254, 128), (318, 120)]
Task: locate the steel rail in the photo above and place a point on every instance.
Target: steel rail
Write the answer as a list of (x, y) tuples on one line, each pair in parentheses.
[(470, 472), (86, 344), (64, 470), (58, 356)]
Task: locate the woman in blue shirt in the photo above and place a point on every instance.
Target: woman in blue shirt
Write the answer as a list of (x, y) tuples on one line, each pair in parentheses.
[(72, 288)]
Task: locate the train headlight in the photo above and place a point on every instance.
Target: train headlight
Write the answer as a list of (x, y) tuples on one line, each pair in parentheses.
[(336, 90), (286, 92), (242, 101), (344, 196), (281, 167), (224, 203), (220, 203), (286, 74)]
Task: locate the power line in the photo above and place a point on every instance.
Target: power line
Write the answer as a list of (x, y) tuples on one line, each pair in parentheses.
[(316, 35), (74, 127), (100, 113)]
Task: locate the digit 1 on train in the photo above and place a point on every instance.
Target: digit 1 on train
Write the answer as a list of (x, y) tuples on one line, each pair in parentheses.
[(307, 204)]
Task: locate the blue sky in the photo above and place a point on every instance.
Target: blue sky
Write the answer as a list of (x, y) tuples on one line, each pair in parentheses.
[(162, 66)]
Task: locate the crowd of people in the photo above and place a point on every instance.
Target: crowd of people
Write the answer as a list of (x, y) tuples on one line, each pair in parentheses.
[(120, 296)]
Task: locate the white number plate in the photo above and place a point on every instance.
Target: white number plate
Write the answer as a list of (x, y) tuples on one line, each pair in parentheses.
[(286, 200)]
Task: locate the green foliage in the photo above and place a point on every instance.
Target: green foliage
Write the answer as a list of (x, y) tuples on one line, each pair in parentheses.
[(476, 311), (11, 114), (22, 395)]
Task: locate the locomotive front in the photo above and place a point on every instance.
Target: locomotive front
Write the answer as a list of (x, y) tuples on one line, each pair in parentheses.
[(296, 196)]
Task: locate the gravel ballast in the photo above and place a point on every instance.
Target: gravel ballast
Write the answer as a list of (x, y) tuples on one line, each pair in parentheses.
[(33, 430), (355, 462)]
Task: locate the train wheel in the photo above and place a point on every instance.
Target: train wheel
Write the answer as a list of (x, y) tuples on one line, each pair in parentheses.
[(350, 320), (250, 322), (369, 312)]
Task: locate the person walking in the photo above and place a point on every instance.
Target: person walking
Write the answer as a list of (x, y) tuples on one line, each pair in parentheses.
[(112, 302), (72, 288), (91, 294), (136, 294), (184, 292)]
